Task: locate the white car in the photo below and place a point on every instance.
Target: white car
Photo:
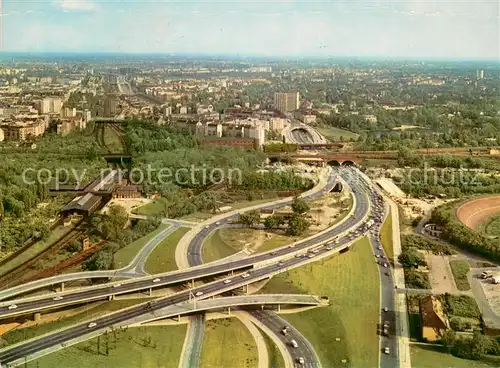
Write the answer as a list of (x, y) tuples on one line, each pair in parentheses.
[(227, 281), (217, 223), (280, 264), (386, 350), (156, 280), (206, 227), (245, 275), (291, 246), (385, 309), (199, 293), (315, 251), (385, 265), (116, 285), (58, 298), (301, 360), (294, 344), (311, 255), (12, 306), (91, 324)]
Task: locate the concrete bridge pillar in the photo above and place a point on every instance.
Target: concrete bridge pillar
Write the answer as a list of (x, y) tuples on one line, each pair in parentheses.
[(229, 310), (37, 316), (179, 318), (111, 297), (150, 291), (279, 308), (62, 286)]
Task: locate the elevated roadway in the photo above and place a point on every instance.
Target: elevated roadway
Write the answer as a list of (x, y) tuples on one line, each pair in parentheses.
[(8, 357), (147, 311), (43, 302), (199, 233)]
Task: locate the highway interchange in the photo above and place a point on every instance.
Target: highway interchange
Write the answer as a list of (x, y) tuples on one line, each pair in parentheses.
[(265, 266)]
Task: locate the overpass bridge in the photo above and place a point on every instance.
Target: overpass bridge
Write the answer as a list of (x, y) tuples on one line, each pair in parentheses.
[(37, 347)]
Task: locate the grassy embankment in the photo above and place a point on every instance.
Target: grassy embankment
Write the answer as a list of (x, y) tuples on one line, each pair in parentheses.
[(349, 280), (227, 343), (126, 254), (162, 259), (151, 347), (386, 237)]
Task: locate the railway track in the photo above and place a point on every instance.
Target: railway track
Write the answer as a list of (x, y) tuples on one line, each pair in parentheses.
[(19, 273)]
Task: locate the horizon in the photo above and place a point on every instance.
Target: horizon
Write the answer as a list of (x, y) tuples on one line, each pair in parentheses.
[(278, 29), (237, 56)]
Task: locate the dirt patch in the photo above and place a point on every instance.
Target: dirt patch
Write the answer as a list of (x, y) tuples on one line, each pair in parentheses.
[(473, 213), (440, 275), (492, 293), (129, 203)]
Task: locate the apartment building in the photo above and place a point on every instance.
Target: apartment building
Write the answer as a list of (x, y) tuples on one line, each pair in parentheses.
[(287, 101), (20, 130)]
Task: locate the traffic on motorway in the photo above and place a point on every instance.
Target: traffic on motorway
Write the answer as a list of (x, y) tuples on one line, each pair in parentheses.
[(303, 252), (89, 294)]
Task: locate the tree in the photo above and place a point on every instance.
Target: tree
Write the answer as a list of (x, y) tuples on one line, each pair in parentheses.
[(410, 258), (299, 205), (448, 339), (297, 225), (250, 218), (273, 222)]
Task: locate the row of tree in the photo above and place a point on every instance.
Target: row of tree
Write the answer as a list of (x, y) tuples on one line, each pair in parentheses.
[(460, 235)]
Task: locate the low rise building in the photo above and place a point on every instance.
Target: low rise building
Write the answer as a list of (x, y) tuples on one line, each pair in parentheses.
[(433, 321)]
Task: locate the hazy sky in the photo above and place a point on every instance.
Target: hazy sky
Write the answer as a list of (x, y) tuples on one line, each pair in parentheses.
[(405, 28)]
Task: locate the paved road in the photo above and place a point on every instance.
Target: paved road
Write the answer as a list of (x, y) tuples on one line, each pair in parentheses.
[(196, 245), (304, 348), (124, 317)]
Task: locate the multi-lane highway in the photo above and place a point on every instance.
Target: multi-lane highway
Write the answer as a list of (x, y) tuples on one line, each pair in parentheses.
[(24, 349), (290, 256)]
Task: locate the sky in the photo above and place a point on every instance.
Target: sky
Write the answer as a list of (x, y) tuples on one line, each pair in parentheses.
[(451, 29)]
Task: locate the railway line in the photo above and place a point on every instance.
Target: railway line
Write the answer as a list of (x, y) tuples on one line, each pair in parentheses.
[(17, 274)]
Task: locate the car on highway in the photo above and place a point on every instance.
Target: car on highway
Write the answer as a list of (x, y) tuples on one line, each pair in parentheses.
[(227, 281), (207, 226), (58, 298), (284, 331), (385, 265), (91, 324), (329, 247), (217, 223), (315, 251), (301, 361), (386, 350), (379, 247), (311, 255), (12, 306), (245, 275), (116, 285), (199, 293), (291, 246), (156, 280), (280, 264), (385, 309), (294, 344)]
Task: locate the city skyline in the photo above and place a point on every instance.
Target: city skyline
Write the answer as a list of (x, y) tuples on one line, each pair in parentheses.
[(403, 29)]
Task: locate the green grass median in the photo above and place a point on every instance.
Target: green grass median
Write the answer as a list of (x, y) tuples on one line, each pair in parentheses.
[(228, 343), (162, 259), (126, 254)]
